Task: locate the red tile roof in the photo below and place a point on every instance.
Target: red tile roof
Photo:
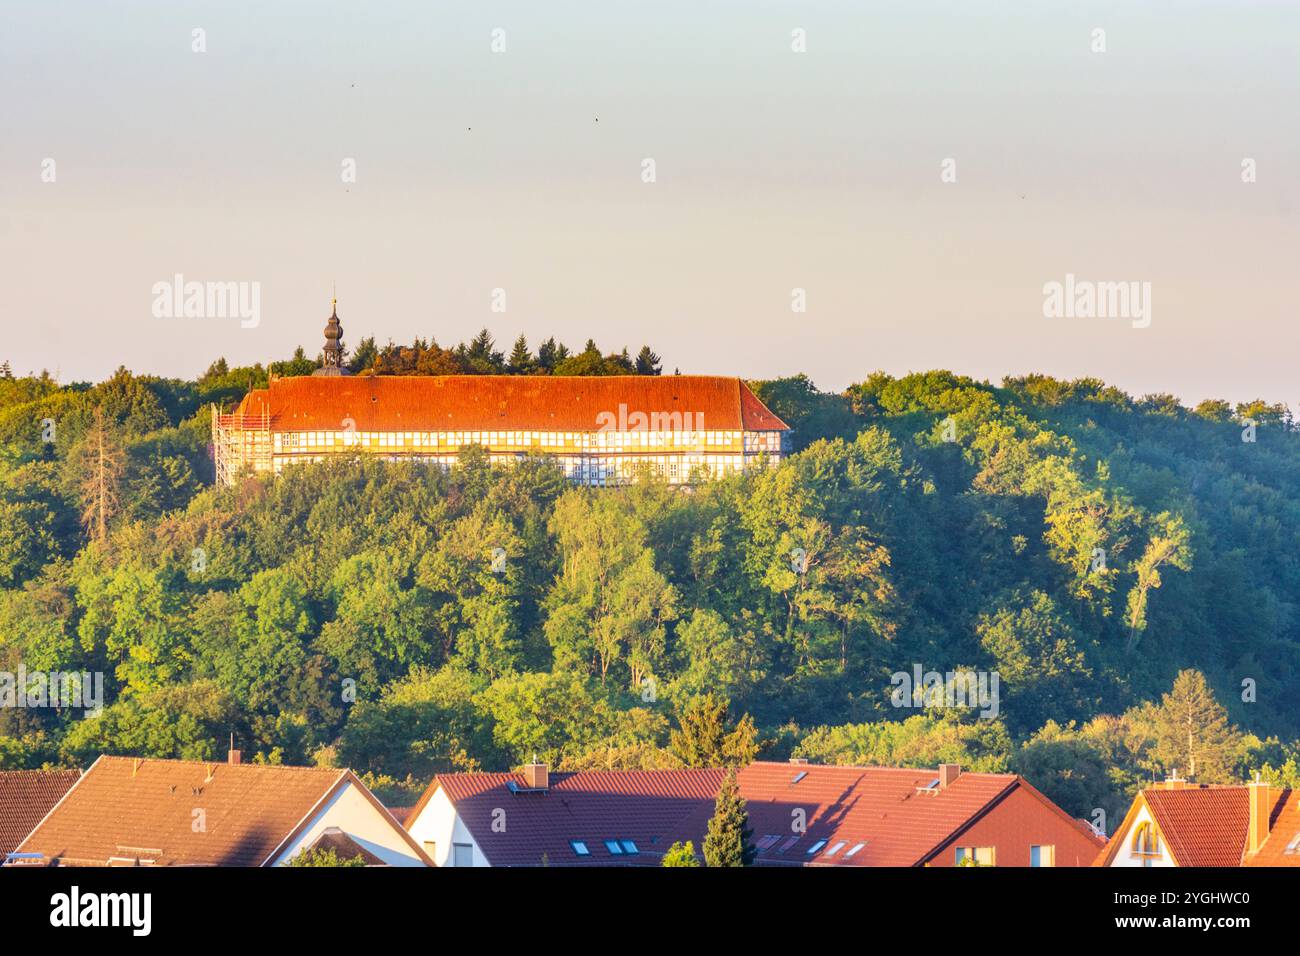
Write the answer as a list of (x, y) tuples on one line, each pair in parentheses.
[(652, 808), (1284, 834), (1202, 826), (128, 808), (504, 402), (879, 807), (26, 796)]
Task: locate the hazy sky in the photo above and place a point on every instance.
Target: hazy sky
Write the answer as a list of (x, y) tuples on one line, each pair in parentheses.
[(776, 170)]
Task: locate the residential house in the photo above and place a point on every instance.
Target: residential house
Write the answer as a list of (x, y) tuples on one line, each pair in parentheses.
[(132, 811), (800, 814), (1182, 824), (26, 796)]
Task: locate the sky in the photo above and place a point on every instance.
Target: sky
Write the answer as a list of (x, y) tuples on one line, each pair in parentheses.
[(920, 170)]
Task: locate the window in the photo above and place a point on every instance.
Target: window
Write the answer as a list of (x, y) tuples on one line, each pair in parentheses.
[(974, 856), (1293, 848), (1042, 856), (854, 851), (799, 776), (816, 846), (613, 848), (1146, 843), (768, 841), (629, 847), (836, 848), (463, 854), (431, 848), (791, 841), (579, 848)]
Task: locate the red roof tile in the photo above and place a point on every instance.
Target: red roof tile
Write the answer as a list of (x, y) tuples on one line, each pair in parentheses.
[(135, 808), (1283, 836), (879, 807), (1202, 826), (26, 796), (652, 808), (505, 402)]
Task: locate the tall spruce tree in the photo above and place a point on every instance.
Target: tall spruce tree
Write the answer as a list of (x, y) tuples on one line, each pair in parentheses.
[(727, 841)]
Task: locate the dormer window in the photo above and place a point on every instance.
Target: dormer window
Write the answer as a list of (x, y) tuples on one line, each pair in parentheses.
[(1146, 843)]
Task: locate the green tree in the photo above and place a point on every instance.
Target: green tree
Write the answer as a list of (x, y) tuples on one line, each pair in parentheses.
[(681, 854), (703, 740), (727, 840), (324, 856)]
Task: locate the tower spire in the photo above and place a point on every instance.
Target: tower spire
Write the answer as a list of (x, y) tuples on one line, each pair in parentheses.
[(333, 351)]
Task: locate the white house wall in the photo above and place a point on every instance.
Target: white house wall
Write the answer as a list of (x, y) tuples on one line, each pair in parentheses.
[(438, 824), (353, 813), (1126, 857)]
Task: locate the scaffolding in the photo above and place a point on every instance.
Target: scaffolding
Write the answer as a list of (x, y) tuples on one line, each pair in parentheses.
[(240, 443)]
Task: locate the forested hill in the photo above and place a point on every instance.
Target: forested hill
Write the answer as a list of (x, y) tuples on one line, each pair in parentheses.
[(1128, 569)]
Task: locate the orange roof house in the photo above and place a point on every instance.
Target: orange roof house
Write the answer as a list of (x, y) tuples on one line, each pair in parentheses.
[(26, 796), (1177, 824), (131, 811), (600, 429), (800, 815)]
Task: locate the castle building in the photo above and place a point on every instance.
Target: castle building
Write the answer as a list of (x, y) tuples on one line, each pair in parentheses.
[(602, 430)]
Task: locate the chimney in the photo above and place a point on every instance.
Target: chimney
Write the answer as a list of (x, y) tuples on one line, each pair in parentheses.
[(1174, 782), (1261, 803), (234, 757), (799, 761), (536, 775), (948, 772)]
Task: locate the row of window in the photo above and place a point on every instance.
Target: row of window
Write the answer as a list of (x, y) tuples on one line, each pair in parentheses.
[(613, 847), (515, 439), (770, 840), (1039, 855)]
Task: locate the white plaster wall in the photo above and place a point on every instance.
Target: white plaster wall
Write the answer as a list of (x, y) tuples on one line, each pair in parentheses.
[(1126, 856), (355, 815), (439, 822)]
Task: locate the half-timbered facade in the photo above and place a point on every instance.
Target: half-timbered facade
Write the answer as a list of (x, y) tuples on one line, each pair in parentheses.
[(601, 430)]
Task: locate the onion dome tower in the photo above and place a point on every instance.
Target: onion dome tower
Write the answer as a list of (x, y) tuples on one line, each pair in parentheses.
[(333, 345)]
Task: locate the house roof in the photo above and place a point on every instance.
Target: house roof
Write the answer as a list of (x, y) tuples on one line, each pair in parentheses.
[(879, 807), (886, 809), (1202, 826), (1208, 825), (129, 808), (506, 402), (1284, 834), (346, 848), (26, 796), (651, 808)]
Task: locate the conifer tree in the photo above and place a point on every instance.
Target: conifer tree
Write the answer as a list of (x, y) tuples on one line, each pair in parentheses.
[(647, 362), (1192, 732), (521, 359), (727, 842)]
